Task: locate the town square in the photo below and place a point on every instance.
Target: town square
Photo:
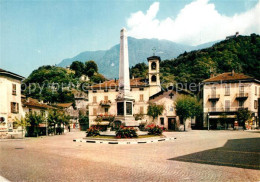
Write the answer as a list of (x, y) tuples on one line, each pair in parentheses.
[(149, 95)]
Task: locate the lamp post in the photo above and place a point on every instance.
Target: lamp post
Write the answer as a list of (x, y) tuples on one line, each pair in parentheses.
[(208, 121)]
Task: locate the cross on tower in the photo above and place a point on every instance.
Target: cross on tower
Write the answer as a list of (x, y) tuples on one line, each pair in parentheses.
[(154, 50)]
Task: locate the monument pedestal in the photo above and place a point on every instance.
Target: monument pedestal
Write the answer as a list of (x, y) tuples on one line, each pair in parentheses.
[(125, 112)]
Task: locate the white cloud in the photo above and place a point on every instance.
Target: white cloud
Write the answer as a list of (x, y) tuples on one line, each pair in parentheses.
[(198, 22)]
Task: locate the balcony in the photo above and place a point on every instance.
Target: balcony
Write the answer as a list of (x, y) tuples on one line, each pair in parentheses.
[(214, 97), (105, 103), (242, 96), (227, 109)]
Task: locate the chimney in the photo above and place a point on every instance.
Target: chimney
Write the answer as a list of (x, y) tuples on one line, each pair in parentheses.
[(233, 73)]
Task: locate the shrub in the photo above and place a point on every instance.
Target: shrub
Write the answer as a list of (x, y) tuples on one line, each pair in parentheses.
[(154, 129), (126, 132), (93, 131)]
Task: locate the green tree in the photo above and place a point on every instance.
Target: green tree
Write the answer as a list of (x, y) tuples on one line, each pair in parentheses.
[(55, 119), (78, 67), (23, 122), (83, 121), (140, 70), (98, 78), (155, 110), (90, 68), (186, 107), (243, 115), (34, 119)]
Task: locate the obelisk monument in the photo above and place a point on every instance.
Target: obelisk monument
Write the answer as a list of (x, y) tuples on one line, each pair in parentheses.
[(124, 98)]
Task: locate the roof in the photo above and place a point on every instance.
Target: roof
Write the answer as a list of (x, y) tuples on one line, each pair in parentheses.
[(154, 58), (170, 90), (64, 105), (10, 74), (228, 76), (136, 82), (30, 102)]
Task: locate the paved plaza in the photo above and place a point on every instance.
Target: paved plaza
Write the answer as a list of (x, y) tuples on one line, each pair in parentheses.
[(194, 156)]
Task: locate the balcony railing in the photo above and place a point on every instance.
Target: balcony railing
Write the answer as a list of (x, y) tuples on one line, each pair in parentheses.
[(242, 95), (105, 103), (214, 97), (227, 109)]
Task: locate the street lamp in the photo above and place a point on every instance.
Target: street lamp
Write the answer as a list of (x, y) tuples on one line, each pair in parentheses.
[(208, 121)]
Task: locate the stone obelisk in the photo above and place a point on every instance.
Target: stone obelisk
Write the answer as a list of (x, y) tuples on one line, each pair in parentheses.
[(124, 98)]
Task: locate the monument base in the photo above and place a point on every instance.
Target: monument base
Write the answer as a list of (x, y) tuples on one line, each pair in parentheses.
[(127, 121)]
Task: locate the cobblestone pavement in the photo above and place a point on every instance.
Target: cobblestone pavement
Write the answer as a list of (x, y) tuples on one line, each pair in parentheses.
[(194, 156)]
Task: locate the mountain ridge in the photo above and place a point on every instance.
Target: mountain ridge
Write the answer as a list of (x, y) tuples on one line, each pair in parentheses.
[(139, 50)]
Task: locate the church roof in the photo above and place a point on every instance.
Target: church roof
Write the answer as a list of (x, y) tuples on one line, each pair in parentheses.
[(110, 84), (154, 58)]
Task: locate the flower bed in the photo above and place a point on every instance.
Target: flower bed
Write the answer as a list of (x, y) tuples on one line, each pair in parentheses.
[(126, 132), (154, 129), (93, 131)]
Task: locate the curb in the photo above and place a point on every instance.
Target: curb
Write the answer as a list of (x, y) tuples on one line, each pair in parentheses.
[(123, 142)]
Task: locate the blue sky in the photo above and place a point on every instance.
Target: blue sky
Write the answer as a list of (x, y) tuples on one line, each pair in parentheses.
[(35, 33)]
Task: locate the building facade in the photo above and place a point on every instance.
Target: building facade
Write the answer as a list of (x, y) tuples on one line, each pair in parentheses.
[(225, 94), (10, 104)]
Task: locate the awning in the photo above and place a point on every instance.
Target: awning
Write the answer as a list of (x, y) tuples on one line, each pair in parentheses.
[(219, 116)]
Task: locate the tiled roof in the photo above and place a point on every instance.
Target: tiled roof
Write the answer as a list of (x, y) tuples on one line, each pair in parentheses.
[(228, 76), (30, 102), (137, 82), (64, 105), (10, 74)]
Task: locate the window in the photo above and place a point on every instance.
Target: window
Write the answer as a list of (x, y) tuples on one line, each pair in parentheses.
[(227, 90), (106, 90), (95, 99), (153, 66), (14, 107), (141, 89), (141, 110), (14, 89), (94, 91), (94, 111), (120, 108), (106, 110), (255, 104), (141, 97), (153, 78), (171, 108), (162, 121), (106, 98), (255, 90), (213, 106), (241, 90), (213, 91), (241, 104), (227, 105), (42, 112)]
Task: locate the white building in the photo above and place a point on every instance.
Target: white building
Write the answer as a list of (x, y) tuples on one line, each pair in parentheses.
[(225, 94), (10, 102)]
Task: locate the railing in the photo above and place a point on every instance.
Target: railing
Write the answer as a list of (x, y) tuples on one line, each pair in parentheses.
[(242, 95), (105, 103), (215, 96), (227, 109)]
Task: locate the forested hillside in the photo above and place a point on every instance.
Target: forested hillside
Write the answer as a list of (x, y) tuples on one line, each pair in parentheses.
[(241, 54)]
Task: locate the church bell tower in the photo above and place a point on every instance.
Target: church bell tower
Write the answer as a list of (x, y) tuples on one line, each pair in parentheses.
[(154, 74)]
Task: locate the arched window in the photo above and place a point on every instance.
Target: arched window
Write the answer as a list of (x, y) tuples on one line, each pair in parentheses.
[(153, 65), (153, 78)]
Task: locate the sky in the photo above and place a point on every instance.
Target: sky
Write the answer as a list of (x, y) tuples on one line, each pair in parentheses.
[(35, 33)]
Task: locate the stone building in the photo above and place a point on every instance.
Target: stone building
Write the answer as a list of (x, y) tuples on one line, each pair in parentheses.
[(225, 94), (10, 102)]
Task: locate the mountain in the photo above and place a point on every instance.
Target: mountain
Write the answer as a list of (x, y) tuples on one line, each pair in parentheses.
[(139, 50)]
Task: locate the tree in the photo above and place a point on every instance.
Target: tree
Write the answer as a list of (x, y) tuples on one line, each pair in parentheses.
[(83, 121), (21, 122), (243, 115), (140, 70), (90, 68), (186, 107), (98, 78), (56, 118), (34, 119), (155, 110), (78, 67)]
